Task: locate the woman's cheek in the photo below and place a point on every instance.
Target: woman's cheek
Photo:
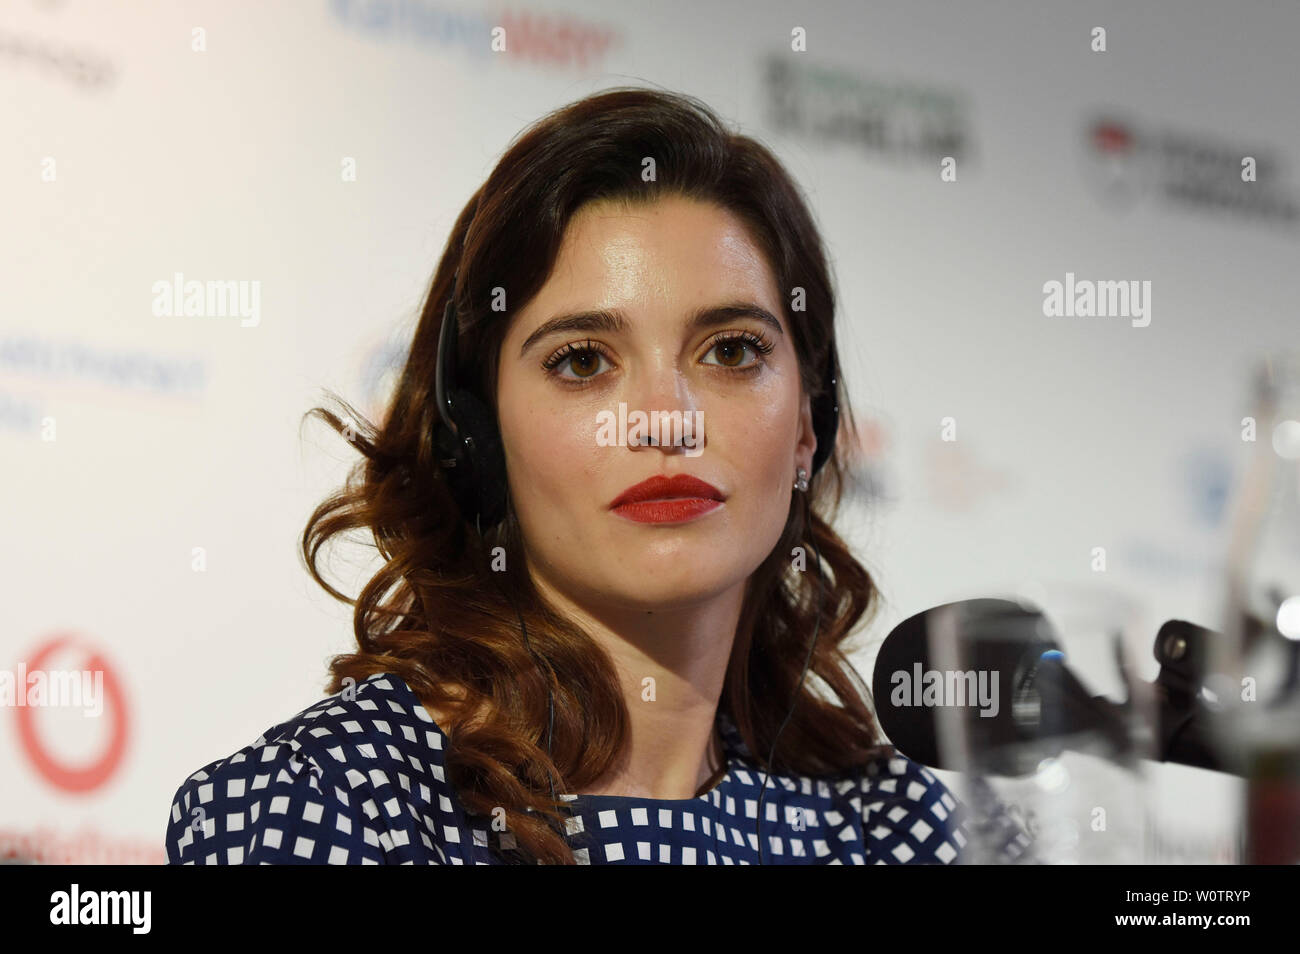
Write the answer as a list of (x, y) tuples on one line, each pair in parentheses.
[(562, 456)]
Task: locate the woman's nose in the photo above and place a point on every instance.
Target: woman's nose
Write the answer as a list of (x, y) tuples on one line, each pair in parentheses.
[(667, 412)]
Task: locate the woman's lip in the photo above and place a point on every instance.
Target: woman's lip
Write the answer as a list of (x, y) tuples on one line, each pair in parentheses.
[(659, 487), (675, 510)]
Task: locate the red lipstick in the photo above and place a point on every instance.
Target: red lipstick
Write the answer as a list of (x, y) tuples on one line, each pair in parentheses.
[(668, 499)]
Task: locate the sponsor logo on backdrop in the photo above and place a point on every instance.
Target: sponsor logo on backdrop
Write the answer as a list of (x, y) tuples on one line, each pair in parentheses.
[(36, 687), (1127, 161), (35, 370), (1206, 482), (45, 845), (888, 118), (67, 362), (1115, 165), (543, 37), (1203, 482)]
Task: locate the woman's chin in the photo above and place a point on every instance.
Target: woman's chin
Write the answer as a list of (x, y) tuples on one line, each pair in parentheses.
[(655, 591)]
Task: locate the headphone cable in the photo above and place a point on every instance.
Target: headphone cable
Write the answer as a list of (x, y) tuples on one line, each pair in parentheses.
[(812, 536)]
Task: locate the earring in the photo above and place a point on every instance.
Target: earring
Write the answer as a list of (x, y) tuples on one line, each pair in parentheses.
[(801, 483)]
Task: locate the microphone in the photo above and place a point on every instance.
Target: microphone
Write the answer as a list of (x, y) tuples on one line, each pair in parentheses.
[(1010, 699)]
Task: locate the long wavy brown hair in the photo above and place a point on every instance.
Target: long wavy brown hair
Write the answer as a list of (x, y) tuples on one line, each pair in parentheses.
[(438, 615)]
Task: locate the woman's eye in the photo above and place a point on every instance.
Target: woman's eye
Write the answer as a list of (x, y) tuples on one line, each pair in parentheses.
[(731, 352), (584, 362)]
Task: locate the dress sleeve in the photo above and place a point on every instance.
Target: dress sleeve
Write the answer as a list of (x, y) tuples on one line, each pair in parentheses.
[(909, 816), (270, 803)]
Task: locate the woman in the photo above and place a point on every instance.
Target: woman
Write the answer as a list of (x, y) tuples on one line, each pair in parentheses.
[(554, 664)]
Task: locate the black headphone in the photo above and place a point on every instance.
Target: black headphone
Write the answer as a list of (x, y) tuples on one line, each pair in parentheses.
[(470, 451)]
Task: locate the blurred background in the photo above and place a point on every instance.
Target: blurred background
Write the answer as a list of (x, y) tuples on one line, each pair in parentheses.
[(157, 475)]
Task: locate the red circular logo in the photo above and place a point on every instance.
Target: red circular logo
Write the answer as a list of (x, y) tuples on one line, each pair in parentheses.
[(76, 778)]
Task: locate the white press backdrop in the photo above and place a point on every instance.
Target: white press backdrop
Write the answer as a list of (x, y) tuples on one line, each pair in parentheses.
[(156, 479)]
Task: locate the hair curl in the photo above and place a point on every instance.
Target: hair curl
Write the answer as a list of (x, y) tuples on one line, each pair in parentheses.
[(430, 615)]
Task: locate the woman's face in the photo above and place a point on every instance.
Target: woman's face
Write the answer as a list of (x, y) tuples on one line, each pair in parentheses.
[(656, 267)]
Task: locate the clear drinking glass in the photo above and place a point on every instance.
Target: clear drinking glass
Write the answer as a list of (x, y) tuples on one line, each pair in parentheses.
[(1054, 760)]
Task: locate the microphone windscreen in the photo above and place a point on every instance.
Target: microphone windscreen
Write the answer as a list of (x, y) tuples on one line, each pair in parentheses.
[(962, 677)]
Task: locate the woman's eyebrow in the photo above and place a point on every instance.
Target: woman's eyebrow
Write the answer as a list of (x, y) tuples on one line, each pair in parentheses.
[(614, 321)]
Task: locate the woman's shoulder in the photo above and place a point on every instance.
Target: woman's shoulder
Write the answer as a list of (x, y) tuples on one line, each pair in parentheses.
[(310, 789), (378, 718)]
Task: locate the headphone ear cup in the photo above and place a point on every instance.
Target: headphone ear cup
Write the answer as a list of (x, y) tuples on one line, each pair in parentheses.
[(826, 417), (478, 481), (825, 424)]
